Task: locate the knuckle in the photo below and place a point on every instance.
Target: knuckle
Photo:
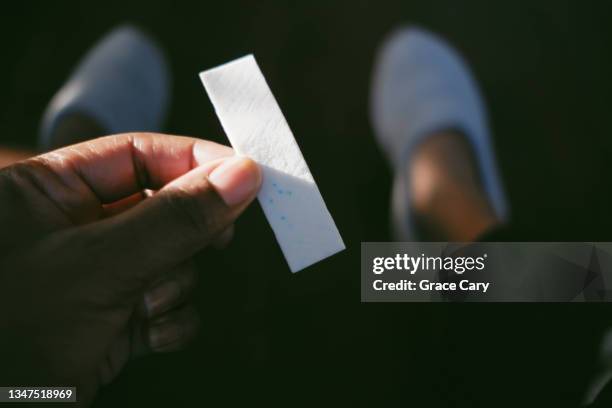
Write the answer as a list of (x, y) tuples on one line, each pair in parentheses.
[(15, 183), (18, 173), (28, 172)]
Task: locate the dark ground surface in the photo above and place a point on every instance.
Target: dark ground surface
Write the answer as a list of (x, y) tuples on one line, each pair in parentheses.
[(271, 338)]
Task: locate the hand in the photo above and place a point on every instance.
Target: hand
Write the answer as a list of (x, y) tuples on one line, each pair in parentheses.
[(81, 244)]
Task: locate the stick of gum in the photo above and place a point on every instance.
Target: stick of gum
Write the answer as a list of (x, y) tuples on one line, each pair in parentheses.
[(289, 196)]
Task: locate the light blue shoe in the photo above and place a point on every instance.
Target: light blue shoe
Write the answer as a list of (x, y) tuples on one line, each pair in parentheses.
[(421, 86), (122, 83)]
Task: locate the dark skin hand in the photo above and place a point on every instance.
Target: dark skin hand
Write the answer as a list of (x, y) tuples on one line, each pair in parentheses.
[(93, 270)]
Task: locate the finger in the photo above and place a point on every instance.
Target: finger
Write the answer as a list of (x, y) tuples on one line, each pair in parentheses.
[(222, 240), (174, 330), (114, 167), (171, 291), (179, 220)]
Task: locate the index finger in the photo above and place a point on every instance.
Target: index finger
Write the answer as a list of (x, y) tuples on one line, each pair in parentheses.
[(115, 167)]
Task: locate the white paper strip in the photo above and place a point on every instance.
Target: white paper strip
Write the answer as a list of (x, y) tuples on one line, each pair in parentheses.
[(289, 195)]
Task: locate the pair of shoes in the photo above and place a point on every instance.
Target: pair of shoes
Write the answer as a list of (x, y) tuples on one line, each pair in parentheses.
[(123, 84), (420, 86)]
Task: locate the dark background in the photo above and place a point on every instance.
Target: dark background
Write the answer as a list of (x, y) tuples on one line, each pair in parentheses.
[(272, 338)]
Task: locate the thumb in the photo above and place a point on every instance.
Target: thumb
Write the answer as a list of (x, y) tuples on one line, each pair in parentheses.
[(181, 219)]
